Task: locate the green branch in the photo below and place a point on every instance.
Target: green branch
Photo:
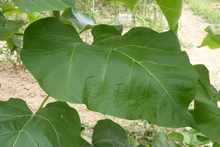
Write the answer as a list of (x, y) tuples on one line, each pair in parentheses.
[(42, 104)]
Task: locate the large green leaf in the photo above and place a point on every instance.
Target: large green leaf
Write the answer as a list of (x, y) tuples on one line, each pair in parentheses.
[(109, 134), (56, 125), (8, 27), (172, 10), (206, 112), (30, 6), (211, 40), (130, 3), (140, 75)]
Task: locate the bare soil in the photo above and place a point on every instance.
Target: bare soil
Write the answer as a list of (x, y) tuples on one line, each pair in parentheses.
[(192, 32), (20, 84)]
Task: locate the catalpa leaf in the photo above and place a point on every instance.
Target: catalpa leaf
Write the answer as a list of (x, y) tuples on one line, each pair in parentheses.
[(206, 111), (172, 10), (30, 6), (140, 75), (8, 27), (55, 125), (107, 133), (211, 40)]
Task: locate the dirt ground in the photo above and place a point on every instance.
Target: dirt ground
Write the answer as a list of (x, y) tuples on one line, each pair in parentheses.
[(20, 84), (191, 34)]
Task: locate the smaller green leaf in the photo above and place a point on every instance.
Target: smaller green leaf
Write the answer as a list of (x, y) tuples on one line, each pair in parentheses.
[(109, 134), (189, 137), (9, 9), (135, 143), (172, 10), (176, 136), (32, 17), (13, 43), (82, 21), (8, 27), (211, 40), (160, 140), (119, 27), (108, 32)]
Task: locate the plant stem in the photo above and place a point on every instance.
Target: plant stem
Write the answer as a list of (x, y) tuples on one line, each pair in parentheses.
[(19, 34), (56, 14), (42, 104)]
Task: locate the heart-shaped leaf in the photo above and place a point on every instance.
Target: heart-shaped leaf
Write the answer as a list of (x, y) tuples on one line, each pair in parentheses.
[(140, 75), (8, 27), (107, 133), (29, 6), (172, 10), (211, 40), (55, 125), (206, 111)]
